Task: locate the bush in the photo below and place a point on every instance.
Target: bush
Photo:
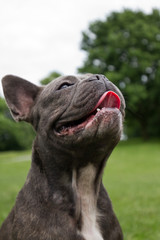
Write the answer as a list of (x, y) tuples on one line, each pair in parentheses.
[(15, 136)]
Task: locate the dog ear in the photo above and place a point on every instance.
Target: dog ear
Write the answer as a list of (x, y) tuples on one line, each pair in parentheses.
[(20, 96)]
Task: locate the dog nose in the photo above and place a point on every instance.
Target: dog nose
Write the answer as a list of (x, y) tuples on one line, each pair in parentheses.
[(94, 78)]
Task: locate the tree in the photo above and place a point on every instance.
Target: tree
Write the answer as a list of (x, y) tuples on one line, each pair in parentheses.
[(50, 77), (125, 47)]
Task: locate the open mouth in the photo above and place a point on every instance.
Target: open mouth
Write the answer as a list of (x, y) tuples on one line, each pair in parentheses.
[(108, 100)]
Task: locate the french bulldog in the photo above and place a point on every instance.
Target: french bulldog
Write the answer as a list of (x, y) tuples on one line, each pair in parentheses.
[(78, 122)]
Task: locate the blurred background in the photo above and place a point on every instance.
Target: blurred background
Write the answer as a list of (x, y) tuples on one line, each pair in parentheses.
[(43, 39)]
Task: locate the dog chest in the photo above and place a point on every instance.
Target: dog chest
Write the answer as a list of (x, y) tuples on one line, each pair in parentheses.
[(86, 205)]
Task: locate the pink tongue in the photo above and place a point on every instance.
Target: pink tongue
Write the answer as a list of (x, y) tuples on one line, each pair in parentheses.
[(108, 100)]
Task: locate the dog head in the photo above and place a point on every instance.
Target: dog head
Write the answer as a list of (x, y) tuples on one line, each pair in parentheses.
[(83, 111)]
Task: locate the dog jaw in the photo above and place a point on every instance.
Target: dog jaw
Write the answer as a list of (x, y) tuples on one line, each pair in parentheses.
[(104, 117)]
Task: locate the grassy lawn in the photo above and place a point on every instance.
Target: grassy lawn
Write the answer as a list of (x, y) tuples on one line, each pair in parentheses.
[(131, 178), (13, 171)]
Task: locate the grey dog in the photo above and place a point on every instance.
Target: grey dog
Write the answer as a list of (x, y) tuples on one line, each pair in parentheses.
[(78, 121)]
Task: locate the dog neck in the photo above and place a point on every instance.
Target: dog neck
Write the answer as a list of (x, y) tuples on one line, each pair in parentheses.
[(86, 192), (69, 185)]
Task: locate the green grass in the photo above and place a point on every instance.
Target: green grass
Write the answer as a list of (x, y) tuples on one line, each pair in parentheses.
[(13, 171), (131, 178)]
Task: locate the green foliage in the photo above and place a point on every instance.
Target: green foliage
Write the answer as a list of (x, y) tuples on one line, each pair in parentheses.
[(131, 178), (3, 106), (13, 136), (50, 77), (125, 47)]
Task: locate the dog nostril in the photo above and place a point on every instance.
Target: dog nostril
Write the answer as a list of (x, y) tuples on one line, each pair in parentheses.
[(94, 78), (98, 77)]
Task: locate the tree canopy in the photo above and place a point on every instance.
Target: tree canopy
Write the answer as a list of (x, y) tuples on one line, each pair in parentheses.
[(125, 47)]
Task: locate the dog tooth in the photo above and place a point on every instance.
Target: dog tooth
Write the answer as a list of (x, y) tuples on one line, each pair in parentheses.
[(98, 109)]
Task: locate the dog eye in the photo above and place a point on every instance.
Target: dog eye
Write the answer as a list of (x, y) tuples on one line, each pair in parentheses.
[(64, 85)]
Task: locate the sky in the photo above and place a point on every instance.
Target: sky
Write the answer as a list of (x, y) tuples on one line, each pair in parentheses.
[(41, 36)]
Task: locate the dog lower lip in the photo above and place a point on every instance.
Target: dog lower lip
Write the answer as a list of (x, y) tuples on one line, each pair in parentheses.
[(75, 125)]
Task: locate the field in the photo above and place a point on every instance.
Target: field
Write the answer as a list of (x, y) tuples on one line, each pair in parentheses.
[(132, 179)]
